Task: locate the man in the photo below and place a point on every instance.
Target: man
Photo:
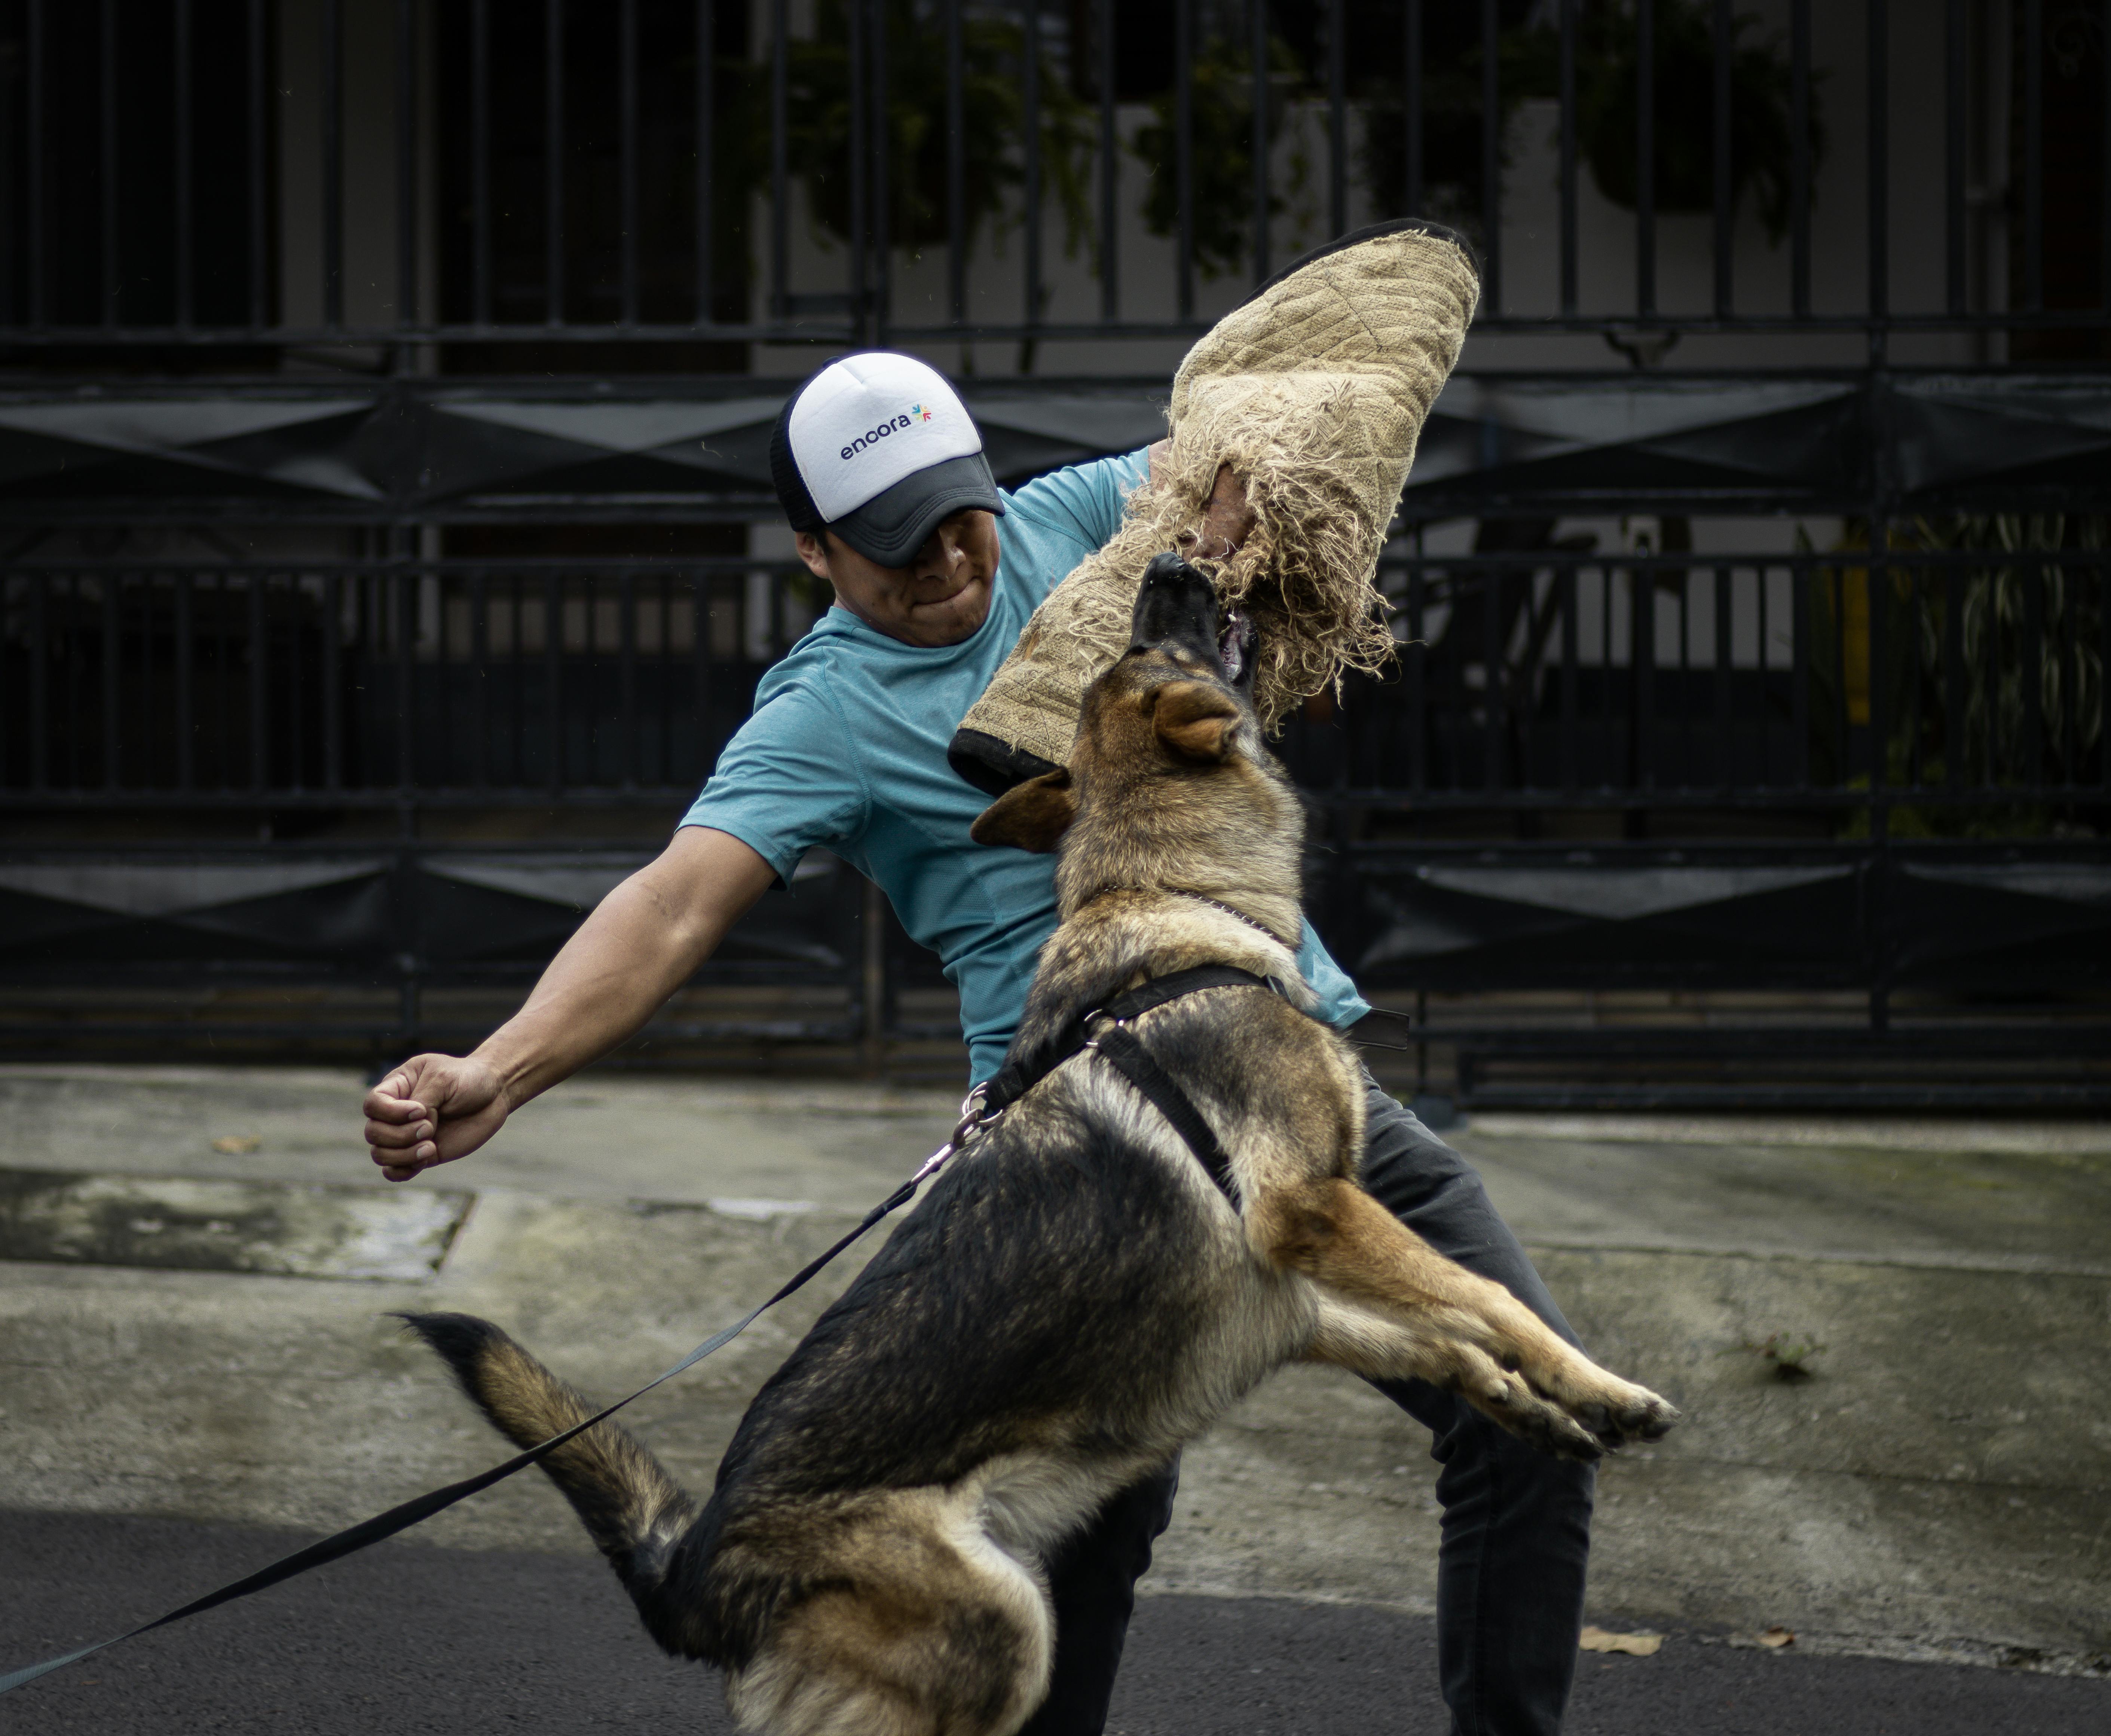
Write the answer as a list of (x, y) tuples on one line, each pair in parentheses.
[(935, 571)]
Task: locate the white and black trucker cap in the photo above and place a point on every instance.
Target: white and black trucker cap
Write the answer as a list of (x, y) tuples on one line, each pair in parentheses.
[(878, 448)]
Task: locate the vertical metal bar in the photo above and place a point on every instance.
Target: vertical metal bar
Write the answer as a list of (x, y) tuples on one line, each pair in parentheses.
[(1990, 675), (1799, 166), (1567, 150), (553, 651), (2104, 228), (112, 672), (69, 661), (259, 88), (40, 658), (1418, 659), (1608, 594), (780, 162), (1491, 156), (665, 680), (1953, 677), (1494, 668), (956, 169), (626, 672), (1910, 651), (516, 654), (480, 651), (1031, 191), (706, 119), (2033, 159), (295, 697), (2103, 657), (1725, 44), (700, 657), (1953, 153), (406, 585), (107, 186), (1183, 152), (1411, 109), (882, 257), (1843, 720), (479, 160), (1766, 681), (1879, 583), (861, 237), (1110, 172), (1337, 120), (186, 657), (333, 681), (183, 163), (1725, 603), (1686, 676), (626, 100), (2033, 674), (1257, 19), (1643, 601), (259, 674), (1880, 174), (332, 162), (34, 159), (406, 168), (1567, 580), (1645, 156), (553, 162)]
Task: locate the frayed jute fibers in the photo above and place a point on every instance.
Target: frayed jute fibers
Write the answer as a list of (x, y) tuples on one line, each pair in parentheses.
[(1314, 391)]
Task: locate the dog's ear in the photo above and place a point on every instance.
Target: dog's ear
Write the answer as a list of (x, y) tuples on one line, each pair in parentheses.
[(1031, 816), (1195, 718)]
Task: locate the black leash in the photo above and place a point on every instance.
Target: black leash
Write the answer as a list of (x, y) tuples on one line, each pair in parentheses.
[(984, 1106), (370, 1531)]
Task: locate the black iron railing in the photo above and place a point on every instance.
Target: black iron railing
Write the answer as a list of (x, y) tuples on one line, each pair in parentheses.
[(1923, 677), (1751, 583), (221, 173)]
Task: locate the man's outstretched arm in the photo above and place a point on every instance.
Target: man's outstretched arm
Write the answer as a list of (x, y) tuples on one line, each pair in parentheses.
[(641, 942)]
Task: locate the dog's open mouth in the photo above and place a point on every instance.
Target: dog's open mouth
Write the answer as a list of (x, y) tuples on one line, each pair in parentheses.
[(1235, 641)]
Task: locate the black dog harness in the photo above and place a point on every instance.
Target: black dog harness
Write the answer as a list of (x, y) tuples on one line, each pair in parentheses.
[(1117, 1044)]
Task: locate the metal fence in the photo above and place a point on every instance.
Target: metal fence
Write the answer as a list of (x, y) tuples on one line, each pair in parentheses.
[(1939, 680), (315, 317), (223, 173)]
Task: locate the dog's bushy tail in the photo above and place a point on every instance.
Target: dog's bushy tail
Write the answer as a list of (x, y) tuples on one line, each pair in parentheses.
[(637, 1516)]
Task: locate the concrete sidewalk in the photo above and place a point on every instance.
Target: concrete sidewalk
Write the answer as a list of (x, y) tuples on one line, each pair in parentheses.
[(1935, 1483)]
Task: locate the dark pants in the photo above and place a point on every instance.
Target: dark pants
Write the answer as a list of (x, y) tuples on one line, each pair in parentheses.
[(1517, 1523)]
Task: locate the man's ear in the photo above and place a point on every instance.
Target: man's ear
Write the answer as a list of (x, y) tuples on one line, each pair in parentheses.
[(1195, 718), (1031, 816)]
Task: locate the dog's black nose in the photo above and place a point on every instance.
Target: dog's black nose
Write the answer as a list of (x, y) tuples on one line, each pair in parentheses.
[(1175, 601)]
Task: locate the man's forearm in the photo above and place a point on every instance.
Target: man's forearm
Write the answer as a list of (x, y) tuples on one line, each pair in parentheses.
[(641, 943)]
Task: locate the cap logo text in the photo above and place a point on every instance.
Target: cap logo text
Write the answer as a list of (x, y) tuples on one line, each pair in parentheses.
[(874, 436)]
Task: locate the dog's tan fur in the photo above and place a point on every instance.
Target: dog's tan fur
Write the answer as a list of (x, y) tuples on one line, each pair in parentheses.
[(871, 1562)]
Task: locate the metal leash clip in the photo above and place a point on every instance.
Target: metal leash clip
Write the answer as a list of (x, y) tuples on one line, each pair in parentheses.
[(975, 1119)]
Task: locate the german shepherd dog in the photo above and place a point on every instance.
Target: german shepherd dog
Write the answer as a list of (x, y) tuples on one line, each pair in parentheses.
[(1075, 1300)]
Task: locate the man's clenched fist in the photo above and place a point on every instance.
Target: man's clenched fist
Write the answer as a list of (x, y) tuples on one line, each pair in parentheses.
[(433, 1109)]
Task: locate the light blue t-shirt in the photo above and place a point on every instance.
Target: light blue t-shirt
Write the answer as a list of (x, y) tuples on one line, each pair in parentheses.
[(847, 749)]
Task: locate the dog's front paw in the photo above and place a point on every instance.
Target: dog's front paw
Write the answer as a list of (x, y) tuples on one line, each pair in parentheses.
[(1626, 1414), (1508, 1397)]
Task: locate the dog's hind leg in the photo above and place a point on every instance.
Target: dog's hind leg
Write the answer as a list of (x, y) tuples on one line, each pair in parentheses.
[(1392, 1307), (930, 1630)]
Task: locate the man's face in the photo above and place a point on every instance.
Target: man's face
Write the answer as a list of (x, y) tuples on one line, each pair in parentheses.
[(940, 598)]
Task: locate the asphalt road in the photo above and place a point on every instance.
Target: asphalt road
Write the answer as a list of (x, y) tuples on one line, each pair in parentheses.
[(408, 1639)]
